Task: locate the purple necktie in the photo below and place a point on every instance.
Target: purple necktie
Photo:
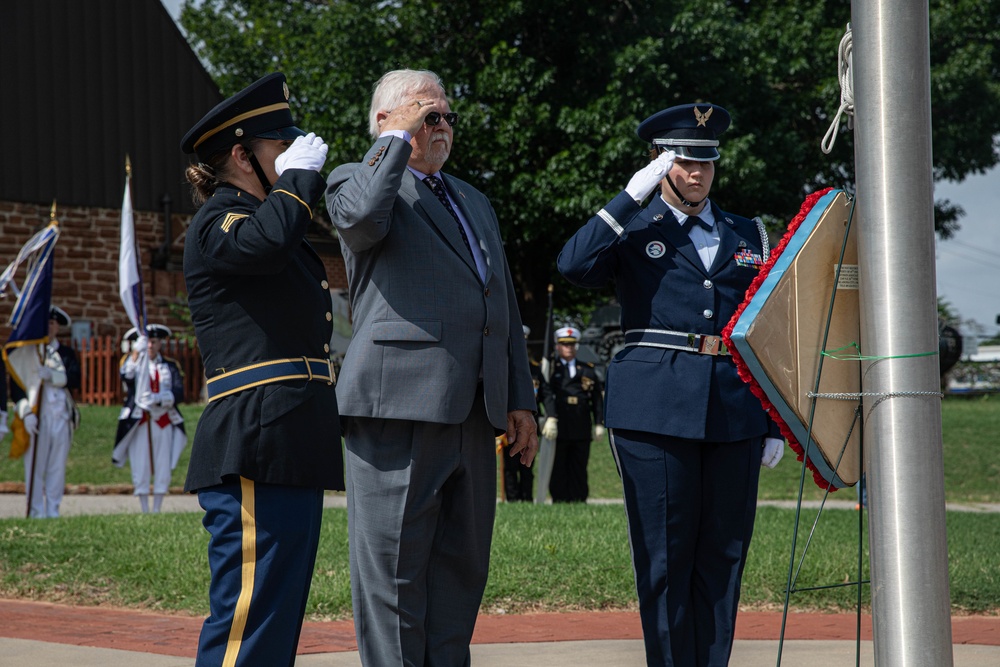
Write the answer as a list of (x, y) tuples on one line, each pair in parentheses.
[(437, 187)]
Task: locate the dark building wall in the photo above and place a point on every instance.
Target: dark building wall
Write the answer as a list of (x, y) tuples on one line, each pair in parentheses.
[(87, 82)]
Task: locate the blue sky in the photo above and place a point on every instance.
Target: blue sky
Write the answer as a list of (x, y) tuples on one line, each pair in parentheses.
[(968, 265)]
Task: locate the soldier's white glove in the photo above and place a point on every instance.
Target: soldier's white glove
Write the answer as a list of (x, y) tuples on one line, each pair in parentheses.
[(598, 432), (308, 152), (45, 374), (648, 178), (31, 423), (550, 430), (140, 344), (774, 449), (165, 398), (145, 400), (3, 424)]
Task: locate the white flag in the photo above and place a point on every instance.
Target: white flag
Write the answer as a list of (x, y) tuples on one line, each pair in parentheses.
[(130, 289)]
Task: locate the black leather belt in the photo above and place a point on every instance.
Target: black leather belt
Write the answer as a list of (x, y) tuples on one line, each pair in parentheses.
[(269, 372), (676, 340)]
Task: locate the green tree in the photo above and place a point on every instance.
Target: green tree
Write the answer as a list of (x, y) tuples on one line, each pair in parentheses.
[(551, 91)]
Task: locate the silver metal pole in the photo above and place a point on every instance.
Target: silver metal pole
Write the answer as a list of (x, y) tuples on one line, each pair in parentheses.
[(905, 472)]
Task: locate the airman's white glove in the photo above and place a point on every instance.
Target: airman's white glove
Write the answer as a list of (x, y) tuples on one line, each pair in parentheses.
[(45, 374), (550, 430), (599, 432), (648, 178), (774, 449), (308, 152), (140, 344), (31, 423)]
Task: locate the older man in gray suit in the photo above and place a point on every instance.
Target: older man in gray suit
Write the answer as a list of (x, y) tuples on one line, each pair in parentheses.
[(436, 369)]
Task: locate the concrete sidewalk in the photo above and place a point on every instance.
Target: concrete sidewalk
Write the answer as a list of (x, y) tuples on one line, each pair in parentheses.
[(12, 505), (42, 634), (610, 653)]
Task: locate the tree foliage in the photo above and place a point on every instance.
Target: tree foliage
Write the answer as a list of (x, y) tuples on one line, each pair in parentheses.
[(551, 91)]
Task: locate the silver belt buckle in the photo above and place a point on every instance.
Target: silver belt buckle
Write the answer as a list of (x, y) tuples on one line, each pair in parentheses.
[(711, 345)]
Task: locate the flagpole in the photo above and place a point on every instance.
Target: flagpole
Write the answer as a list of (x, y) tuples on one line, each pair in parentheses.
[(911, 612)]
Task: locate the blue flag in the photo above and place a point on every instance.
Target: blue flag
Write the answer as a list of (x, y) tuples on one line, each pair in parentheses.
[(23, 353)]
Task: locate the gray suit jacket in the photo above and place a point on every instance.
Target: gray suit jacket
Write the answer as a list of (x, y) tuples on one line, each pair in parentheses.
[(427, 328)]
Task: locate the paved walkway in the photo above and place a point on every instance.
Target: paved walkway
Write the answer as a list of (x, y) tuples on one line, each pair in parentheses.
[(39, 634), (48, 635), (118, 500)]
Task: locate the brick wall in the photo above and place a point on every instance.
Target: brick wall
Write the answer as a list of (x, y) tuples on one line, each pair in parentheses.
[(85, 282)]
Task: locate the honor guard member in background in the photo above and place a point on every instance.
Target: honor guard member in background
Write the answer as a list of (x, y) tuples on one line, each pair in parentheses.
[(687, 435), (517, 476), (574, 407), (151, 433), (268, 442), (436, 369), (52, 428)]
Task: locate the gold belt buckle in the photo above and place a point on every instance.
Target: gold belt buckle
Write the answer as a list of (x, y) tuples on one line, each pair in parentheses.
[(711, 345)]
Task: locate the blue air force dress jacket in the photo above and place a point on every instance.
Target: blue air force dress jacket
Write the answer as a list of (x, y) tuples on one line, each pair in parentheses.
[(258, 292), (662, 284)]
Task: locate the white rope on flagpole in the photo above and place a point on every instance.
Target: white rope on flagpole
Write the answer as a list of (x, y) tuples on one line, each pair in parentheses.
[(845, 72)]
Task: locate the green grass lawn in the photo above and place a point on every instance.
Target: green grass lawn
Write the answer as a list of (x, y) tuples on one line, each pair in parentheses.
[(553, 557), (544, 557)]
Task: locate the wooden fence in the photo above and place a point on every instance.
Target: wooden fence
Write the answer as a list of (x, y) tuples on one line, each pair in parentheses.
[(100, 360)]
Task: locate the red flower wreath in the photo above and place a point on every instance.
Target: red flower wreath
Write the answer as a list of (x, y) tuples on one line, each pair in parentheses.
[(741, 366)]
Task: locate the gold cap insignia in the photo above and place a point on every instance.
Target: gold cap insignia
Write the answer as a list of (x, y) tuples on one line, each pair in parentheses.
[(284, 89), (702, 118)]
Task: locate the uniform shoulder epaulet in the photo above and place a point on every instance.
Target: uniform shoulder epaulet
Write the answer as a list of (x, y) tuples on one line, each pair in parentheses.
[(174, 362), (588, 364)]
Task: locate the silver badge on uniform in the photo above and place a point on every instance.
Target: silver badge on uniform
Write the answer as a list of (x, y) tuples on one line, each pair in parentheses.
[(655, 249)]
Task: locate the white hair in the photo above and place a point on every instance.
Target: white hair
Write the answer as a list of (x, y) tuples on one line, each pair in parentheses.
[(394, 87)]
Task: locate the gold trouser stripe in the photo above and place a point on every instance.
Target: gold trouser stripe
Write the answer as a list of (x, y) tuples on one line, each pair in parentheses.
[(248, 570), (297, 198)]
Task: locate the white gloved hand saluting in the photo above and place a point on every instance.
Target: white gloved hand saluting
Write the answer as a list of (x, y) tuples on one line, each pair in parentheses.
[(648, 178), (550, 430), (774, 449), (308, 152)]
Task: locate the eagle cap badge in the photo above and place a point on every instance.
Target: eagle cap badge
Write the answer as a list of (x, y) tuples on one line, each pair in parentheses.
[(702, 118)]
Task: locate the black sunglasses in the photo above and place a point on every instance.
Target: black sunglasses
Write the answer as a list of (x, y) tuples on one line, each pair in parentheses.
[(434, 117)]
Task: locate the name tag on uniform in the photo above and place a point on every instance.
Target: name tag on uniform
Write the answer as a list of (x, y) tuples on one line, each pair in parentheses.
[(572, 400)]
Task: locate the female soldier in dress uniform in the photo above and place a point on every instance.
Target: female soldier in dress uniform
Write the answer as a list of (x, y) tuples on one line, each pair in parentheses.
[(268, 443)]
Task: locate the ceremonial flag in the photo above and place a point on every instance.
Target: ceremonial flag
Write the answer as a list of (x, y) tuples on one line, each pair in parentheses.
[(130, 287), (23, 353)]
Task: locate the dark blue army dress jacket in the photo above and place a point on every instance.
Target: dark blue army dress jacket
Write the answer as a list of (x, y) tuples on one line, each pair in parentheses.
[(662, 285), (258, 292)]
